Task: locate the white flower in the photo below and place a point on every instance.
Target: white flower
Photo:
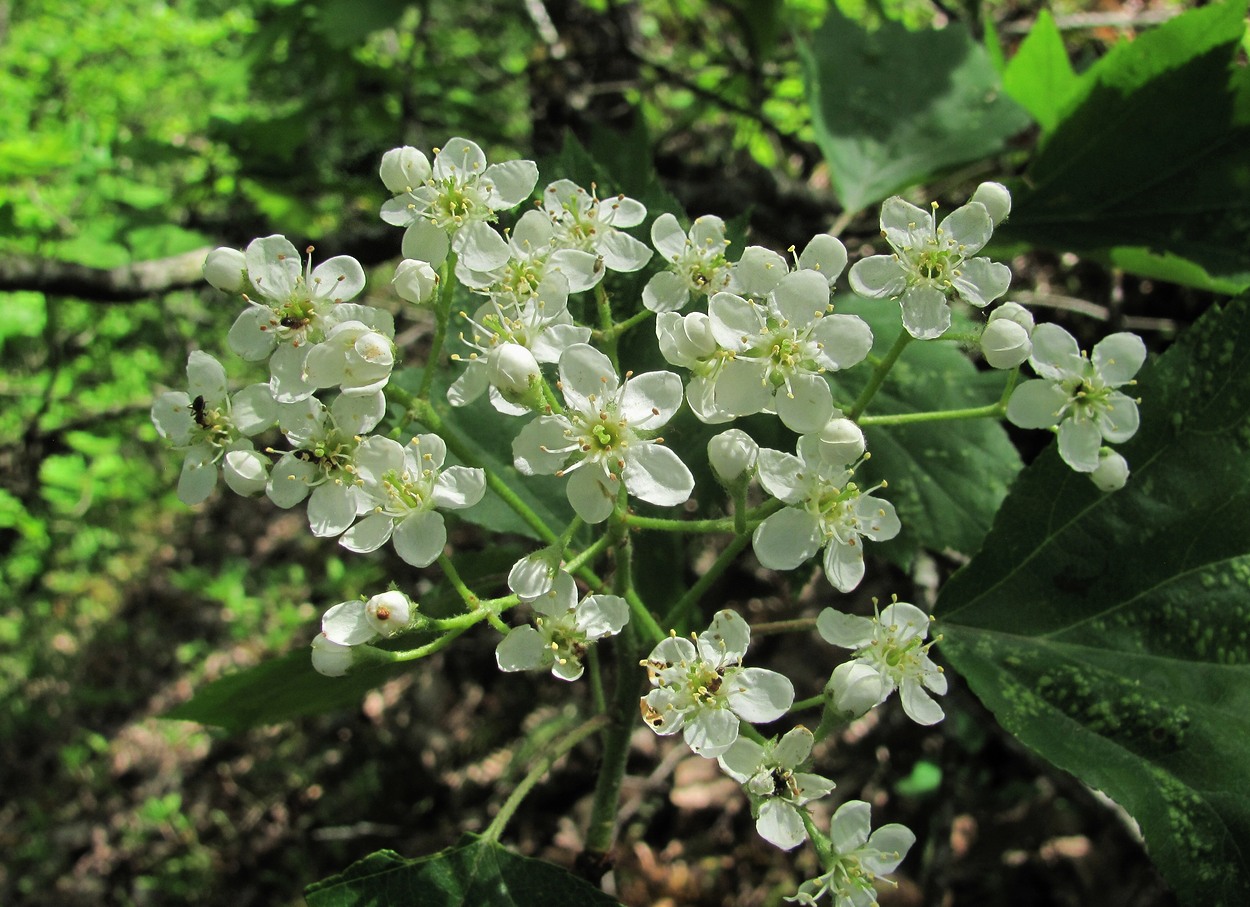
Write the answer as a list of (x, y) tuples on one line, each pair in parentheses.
[(1111, 473), (213, 428), (996, 199), (566, 628), (294, 305), (454, 205), (331, 658), (890, 654), (536, 255), (931, 263), (539, 322), (702, 689), (1007, 339), (696, 262), (323, 460), (732, 454), (355, 623), (858, 858), (777, 790), (415, 281), (597, 443), (758, 272), (825, 510), (778, 352), (687, 341), (226, 269), (1079, 393), (584, 221), (403, 486), (354, 357)]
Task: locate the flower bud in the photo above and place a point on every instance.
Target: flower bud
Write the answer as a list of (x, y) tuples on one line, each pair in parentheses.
[(1013, 311), (534, 574), (376, 349), (856, 687), (841, 442), (1111, 474), (732, 453), (403, 169), (512, 369), (415, 281), (388, 613), (226, 269), (1005, 344), (996, 199), (330, 658)]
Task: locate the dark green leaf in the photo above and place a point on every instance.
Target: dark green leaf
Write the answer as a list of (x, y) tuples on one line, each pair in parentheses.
[(1152, 157), (1110, 631), (946, 479), (475, 873), (892, 108), (279, 690)]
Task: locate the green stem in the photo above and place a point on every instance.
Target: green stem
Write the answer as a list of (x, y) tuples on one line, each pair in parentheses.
[(624, 715), (804, 704), (991, 411), (558, 749), (616, 330), (878, 376), (442, 315), (604, 305), (468, 596)]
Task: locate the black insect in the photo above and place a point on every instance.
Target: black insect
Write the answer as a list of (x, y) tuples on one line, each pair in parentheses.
[(198, 411)]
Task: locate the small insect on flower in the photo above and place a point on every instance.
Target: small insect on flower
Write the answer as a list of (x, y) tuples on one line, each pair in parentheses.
[(198, 411)]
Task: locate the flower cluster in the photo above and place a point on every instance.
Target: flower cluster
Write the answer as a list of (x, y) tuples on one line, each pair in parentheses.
[(750, 335)]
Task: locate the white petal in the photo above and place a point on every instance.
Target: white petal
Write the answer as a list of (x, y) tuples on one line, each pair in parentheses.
[(742, 760), (850, 826), (337, 279), (743, 388), (825, 254), (925, 313), (253, 410), (736, 323), (711, 731), (539, 448), (793, 749), (758, 271), (559, 599), (425, 242), (622, 253), (358, 414), (205, 377), (857, 687), (800, 297), (969, 227), (287, 381), (250, 335), (480, 247), (419, 538), (1055, 353), (289, 481), (655, 474), (1079, 440), (787, 538), (779, 824), (460, 159), (649, 400), (404, 168), (889, 844), (585, 372), (665, 292), (1036, 404), (513, 181), (981, 281), (846, 340), (602, 615), (591, 493), (331, 509), (725, 640), (844, 565), (846, 630), (458, 487), (810, 406), (1118, 358), (668, 237), (471, 384), (758, 695), (782, 475), (199, 475), (347, 625), (246, 471), (273, 266), (369, 534), (533, 575), (918, 706), (522, 649), (171, 413), (901, 221), (878, 277)]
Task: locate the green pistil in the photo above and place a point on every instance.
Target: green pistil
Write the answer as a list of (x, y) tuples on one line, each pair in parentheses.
[(409, 495)]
